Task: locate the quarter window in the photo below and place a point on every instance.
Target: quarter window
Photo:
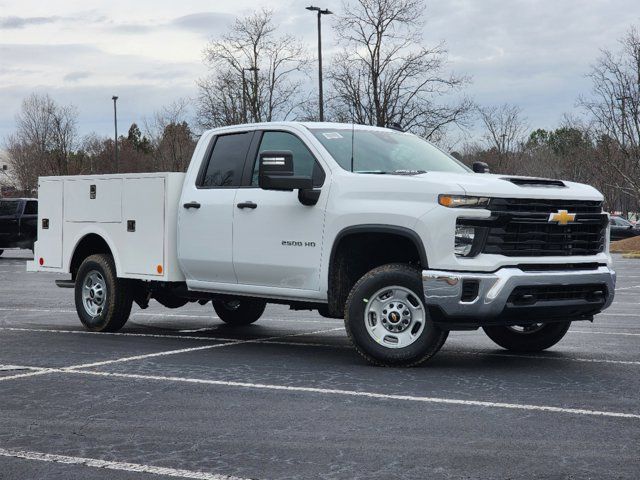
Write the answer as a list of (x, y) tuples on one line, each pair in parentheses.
[(227, 161)]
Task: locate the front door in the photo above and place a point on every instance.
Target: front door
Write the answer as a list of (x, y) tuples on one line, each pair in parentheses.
[(277, 241), (206, 214)]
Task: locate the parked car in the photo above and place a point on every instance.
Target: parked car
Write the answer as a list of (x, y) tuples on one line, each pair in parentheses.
[(621, 228), (18, 223), (369, 224)]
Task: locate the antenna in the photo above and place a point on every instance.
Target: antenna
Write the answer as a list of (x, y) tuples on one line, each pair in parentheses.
[(353, 128)]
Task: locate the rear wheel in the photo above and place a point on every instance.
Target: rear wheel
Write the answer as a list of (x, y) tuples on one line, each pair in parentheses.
[(103, 301), (386, 318), (528, 338), (239, 311)]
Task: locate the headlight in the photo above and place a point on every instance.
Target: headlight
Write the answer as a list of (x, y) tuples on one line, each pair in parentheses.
[(456, 201), (464, 240)]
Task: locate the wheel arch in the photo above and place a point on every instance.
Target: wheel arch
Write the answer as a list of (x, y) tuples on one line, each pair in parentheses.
[(356, 238), (91, 243)]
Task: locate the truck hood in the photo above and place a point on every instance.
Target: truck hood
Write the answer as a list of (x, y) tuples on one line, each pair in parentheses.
[(492, 185)]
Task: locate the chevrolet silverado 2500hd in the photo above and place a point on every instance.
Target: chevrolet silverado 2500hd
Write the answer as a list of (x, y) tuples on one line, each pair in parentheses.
[(372, 225)]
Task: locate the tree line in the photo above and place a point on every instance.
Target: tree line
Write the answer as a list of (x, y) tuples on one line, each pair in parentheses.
[(382, 74)]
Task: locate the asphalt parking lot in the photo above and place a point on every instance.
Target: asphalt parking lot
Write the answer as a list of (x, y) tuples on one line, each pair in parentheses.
[(179, 394)]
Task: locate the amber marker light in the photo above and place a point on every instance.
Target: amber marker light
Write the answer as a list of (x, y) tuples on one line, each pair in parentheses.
[(159, 269)]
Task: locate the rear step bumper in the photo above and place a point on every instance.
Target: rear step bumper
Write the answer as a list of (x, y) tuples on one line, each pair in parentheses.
[(510, 295)]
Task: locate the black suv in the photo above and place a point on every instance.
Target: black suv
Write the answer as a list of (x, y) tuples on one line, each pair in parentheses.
[(621, 228)]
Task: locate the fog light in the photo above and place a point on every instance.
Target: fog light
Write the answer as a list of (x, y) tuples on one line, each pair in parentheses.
[(464, 240)]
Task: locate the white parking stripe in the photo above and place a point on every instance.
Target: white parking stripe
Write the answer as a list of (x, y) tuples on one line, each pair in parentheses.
[(588, 332), (111, 465), (356, 393), (313, 344), (187, 350)]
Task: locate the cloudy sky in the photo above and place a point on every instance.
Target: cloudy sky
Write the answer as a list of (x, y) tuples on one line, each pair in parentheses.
[(533, 53)]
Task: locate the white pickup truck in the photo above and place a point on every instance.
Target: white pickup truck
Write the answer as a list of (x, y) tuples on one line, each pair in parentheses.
[(372, 225)]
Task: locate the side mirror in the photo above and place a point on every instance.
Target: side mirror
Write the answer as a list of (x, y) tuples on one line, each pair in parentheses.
[(275, 172), (480, 167)]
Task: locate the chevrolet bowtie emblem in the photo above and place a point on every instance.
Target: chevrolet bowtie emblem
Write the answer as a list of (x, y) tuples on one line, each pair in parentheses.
[(562, 217)]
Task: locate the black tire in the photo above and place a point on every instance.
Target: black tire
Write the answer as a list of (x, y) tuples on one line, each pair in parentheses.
[(115, 307), (239, 312), (528, 341), (427, 343)]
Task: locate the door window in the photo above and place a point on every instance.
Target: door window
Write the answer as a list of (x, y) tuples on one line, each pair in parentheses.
[(227, 161), (304, 163)]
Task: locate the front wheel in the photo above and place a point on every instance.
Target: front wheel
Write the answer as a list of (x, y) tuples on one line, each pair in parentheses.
[(239, 312), (386, 318), (528, 338), (103, 301)]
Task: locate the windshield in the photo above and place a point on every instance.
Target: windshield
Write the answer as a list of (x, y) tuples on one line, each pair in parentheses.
[(385, 151), (8, 207)]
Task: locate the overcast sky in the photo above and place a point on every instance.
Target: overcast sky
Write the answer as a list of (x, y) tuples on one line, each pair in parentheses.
[(531, 53)]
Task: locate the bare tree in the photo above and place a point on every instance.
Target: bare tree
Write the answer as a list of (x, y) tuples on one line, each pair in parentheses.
[(615, 111), (45, 137), (172, 142), (505, 131), (273, 68), (385, 76)]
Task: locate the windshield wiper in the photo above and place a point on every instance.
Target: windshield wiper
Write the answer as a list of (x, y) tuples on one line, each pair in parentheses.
[(409, 172), (376, 172)]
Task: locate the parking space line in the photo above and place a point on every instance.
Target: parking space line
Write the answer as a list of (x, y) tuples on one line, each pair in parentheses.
[(34, 372), (314, 344), (357, 393), (113, 465), (42, 371), (188, 350), (596, 332)]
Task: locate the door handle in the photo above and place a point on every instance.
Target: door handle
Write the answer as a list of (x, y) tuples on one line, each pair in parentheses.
[(191, 205), (247, 205)]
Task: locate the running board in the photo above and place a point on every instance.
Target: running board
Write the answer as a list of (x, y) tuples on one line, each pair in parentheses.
[(65, 283)]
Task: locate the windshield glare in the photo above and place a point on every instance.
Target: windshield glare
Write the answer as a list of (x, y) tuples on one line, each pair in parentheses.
[(8, 207), (385, 151)]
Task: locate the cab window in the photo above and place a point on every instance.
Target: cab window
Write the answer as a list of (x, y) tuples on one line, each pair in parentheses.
[(304, 163)]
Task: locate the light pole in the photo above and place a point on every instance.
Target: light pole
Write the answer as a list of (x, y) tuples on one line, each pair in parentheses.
[(321, 12), (115, 124), (244, 91)]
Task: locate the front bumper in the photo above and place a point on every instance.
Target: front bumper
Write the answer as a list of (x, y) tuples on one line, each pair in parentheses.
[(494, 303)]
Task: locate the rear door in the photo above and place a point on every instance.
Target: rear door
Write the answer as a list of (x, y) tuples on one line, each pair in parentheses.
[(205, 218)]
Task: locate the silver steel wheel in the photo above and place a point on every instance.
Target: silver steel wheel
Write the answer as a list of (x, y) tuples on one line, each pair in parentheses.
[(395, 317), (94, 293), (526, 329)]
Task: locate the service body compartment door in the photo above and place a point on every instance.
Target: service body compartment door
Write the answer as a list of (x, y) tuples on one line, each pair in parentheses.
[(50, 208), (93, 200), (143, 226)]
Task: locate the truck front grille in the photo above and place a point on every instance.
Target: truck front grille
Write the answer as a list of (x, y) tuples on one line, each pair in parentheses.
[(521, 228)]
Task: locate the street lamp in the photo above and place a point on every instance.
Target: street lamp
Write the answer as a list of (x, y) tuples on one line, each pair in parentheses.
[(321, 12), (115, 124), (244, 91)]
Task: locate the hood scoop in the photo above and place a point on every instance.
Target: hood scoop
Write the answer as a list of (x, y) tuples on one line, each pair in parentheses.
[(535, 182)]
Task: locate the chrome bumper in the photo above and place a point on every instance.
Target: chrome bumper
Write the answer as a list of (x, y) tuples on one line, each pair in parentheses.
[(443, 289)]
